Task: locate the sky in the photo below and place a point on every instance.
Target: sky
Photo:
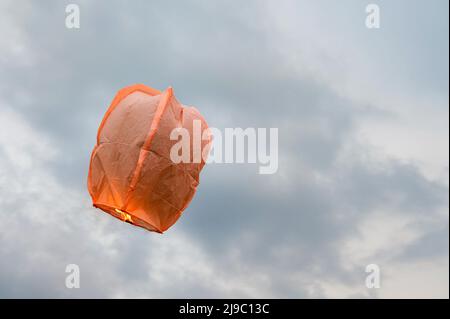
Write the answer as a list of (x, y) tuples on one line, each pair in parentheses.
[(363, 176)]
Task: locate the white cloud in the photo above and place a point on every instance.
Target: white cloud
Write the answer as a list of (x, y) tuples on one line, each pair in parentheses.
[(348, 191)]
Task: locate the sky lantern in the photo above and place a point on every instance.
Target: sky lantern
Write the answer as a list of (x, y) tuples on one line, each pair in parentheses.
[(132, 175)]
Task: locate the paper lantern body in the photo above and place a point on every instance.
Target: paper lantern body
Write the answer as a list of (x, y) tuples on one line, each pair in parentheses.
[(131, 175)]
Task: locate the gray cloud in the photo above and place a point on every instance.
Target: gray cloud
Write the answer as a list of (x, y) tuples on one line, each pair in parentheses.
[(244, 235)]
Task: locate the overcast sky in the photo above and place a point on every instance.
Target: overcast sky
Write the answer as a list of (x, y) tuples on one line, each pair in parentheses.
[(363, 148)]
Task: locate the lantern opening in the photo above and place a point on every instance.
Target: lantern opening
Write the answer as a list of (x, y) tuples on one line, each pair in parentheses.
[(124, 216), (133, 219)]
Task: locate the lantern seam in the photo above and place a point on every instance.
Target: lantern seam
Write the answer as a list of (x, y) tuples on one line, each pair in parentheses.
[(122, 94), (145, 147)]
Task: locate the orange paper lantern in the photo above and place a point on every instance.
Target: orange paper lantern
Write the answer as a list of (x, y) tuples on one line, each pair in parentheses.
[(131, 175)]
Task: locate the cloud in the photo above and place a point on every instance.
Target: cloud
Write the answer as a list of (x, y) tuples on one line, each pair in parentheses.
[(349, 190)]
